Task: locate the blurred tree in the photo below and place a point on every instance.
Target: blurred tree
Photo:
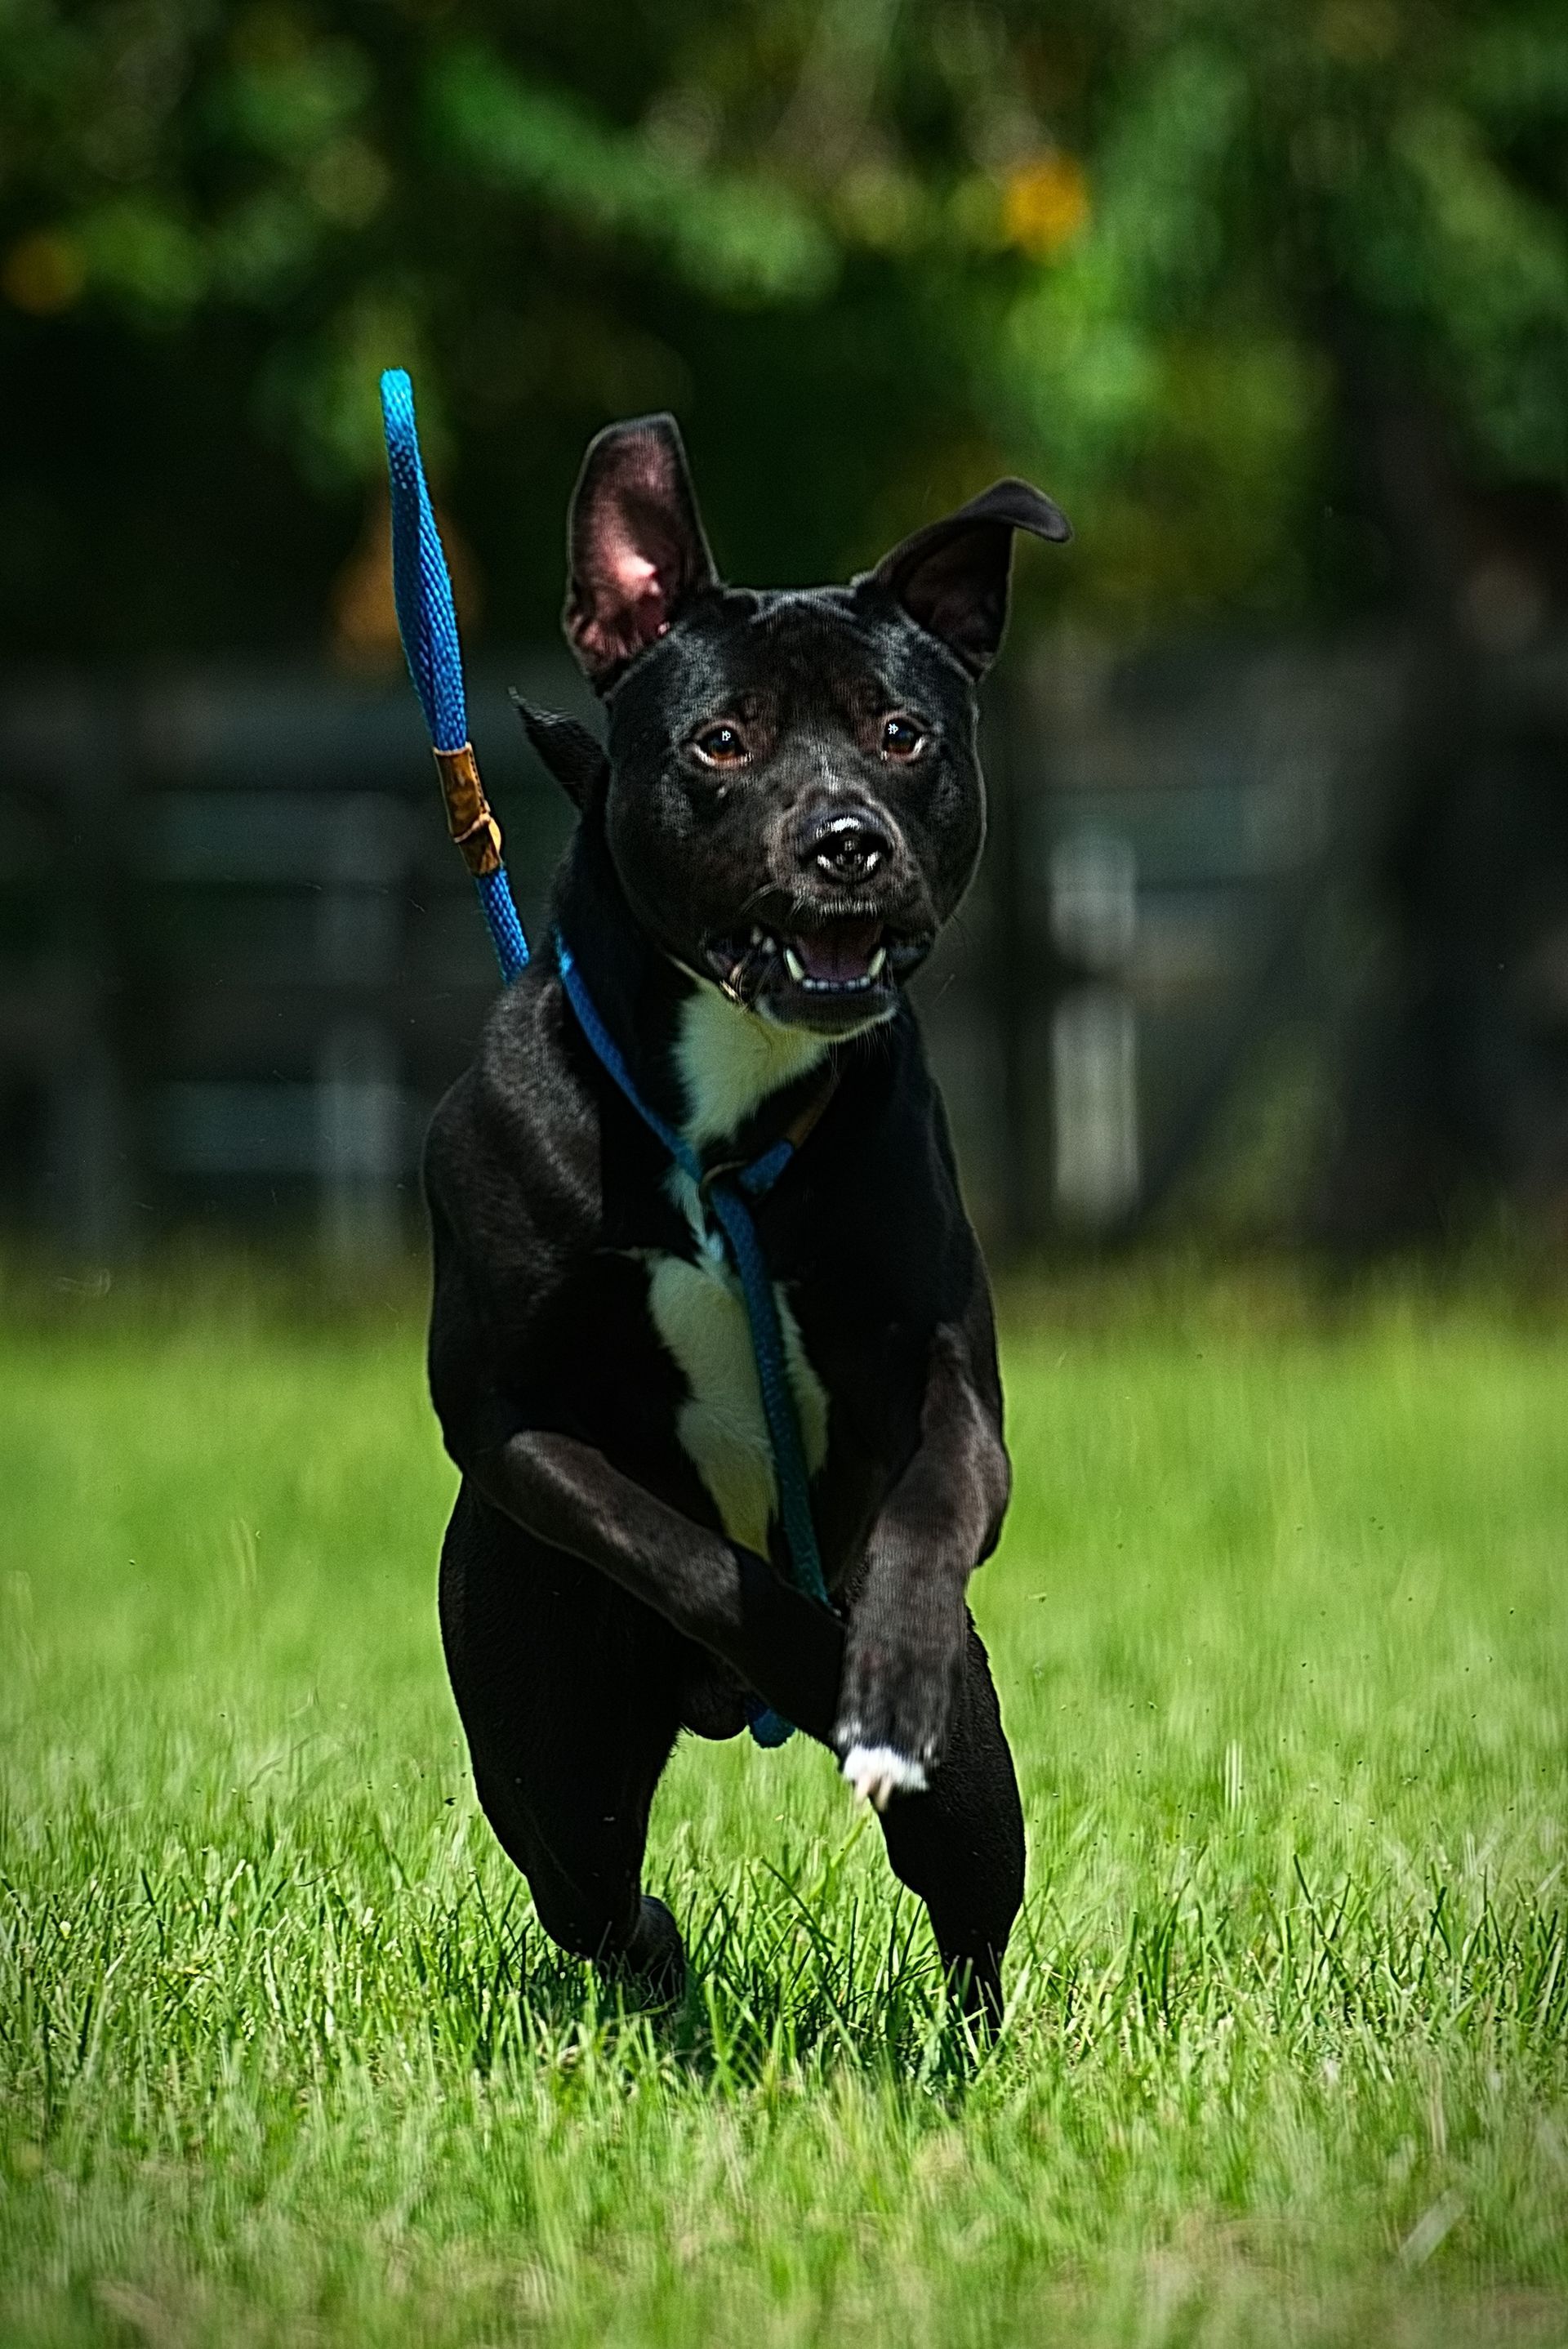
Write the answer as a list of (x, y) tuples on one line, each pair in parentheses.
[(1274, 299), (1197, 267)]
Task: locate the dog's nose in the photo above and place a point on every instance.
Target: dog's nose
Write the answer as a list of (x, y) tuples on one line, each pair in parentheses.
[(846, 844)]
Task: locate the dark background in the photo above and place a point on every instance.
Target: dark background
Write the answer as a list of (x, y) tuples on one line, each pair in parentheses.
[(1274, 934)]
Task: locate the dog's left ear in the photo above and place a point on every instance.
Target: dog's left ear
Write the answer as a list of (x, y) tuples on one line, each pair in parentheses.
[(635, 544), (565, 747), (952, 576)]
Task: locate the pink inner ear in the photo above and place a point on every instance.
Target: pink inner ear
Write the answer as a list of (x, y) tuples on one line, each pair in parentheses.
[(634, 595), (627, 573), (637, 546)]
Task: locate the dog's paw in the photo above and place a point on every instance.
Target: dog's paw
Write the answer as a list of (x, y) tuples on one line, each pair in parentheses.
[(895, 1704), (878, 1772)]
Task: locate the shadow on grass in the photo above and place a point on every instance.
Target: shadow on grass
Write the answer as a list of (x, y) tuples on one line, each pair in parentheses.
[(784, 1984)]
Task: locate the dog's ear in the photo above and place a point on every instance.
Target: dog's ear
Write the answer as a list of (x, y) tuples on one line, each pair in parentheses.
[(634, 544), (573, 756), (952, 576)]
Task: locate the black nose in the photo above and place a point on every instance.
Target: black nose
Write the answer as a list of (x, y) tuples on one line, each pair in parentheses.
[(846, 845)]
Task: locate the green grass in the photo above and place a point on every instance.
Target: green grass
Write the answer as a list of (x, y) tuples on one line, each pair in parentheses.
[(1279, 1626)]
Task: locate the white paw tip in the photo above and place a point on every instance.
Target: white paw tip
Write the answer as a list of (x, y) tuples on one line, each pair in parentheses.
[(878, 1772)]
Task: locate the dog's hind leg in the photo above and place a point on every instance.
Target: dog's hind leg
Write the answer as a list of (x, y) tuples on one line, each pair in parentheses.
[(961, 1844), (569, 1693)]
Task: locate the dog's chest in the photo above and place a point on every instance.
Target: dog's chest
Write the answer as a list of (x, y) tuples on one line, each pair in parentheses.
[(728, 1061), (700, 1316)]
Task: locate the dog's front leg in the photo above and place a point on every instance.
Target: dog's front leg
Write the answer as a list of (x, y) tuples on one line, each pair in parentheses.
[(564, 1492), (908, 1626)]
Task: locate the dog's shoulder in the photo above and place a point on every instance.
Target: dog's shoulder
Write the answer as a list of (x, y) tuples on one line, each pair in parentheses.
[(512, 1178), (520, 1091), (511, 1157)]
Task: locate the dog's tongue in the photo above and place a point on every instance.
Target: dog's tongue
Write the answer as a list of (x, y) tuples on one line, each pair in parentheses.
[(840, 954)]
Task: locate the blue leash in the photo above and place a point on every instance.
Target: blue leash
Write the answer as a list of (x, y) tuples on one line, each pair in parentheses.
[(428, 624)]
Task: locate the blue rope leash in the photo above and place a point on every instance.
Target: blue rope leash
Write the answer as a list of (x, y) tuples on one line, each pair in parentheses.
[(427, 624), (420, 584)]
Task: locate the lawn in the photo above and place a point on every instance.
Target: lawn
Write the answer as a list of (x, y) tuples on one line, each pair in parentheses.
[(1280, 1630)]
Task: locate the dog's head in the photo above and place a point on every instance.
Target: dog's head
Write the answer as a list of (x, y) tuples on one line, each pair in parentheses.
[(794, 805)]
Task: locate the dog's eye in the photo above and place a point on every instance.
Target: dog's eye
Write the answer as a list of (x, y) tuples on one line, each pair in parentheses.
[(720, 746), (901, 739)]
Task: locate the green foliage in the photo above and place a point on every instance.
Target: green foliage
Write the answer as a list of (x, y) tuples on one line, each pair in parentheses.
[(1135, 251), (1279, 1627), (738, 238)]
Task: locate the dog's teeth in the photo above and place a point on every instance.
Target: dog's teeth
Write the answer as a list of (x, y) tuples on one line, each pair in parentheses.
[(756, 933), (794, 966), (878, 964)]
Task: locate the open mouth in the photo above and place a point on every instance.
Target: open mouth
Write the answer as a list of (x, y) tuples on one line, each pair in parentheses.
[(848, 965), (846, 959)]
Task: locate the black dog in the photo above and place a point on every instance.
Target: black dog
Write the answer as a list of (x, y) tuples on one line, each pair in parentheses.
[(789, 809)]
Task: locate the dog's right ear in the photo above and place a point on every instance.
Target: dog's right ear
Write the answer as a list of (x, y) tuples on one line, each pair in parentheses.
[(573, 756), (952, 576), (634, 544)]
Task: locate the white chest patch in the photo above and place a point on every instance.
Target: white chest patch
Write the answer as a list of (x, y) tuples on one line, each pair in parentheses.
[(730, 1062), (731, 1059), (699, 1314)]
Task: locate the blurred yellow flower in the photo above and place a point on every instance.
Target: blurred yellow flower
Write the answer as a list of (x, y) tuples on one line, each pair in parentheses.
[(1045, 202), (43, 273)]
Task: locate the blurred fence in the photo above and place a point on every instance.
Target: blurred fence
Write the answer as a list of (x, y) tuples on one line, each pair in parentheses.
[(239, 961)]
